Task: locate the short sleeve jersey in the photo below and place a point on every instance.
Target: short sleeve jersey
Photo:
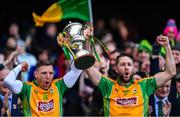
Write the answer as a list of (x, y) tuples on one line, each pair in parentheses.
[(131, 100), (39, 102)]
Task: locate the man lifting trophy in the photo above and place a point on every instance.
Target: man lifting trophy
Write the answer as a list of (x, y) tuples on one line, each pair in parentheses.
[(73, 41)]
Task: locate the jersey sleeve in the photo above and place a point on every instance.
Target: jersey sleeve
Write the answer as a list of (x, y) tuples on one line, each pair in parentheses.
[(148, 85), (105, 86), (61, 86), (23, 91)]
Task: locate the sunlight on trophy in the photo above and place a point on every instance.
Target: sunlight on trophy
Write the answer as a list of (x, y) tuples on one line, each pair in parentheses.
[(73, 41)]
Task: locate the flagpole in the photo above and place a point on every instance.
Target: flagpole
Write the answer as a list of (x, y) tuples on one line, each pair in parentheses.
[(90, 12)]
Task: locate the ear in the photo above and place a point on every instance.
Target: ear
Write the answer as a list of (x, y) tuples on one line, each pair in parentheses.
[(116, 70), (35, 74)]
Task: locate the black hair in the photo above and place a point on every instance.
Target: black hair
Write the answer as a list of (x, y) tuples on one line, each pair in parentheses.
[(123, 55), (43, 63)]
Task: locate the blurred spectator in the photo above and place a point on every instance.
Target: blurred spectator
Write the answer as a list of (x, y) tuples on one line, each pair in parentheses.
[(49, 40), (175, 95), (10, 104), (176, 53), (111, 72), (26, 56), (145, 50), (100, 28), (144, 54), (13, 31), (159, 102), (171, 31), (126, 32)]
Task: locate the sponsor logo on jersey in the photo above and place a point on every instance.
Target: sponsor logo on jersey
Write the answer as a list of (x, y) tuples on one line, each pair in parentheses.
[(46, 106), (126, 101)]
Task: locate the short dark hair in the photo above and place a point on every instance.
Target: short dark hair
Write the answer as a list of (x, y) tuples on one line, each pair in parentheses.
[(122, 55), (43, 63)]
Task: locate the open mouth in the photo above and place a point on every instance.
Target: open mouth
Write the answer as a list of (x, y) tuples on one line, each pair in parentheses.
[(126, 74), (47, 82)]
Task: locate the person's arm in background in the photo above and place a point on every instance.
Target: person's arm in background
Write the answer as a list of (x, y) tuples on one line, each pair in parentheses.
[(8, 60), (170, 68), (10, 81)]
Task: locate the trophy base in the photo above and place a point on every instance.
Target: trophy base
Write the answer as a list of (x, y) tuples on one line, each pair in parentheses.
[(84, 61)]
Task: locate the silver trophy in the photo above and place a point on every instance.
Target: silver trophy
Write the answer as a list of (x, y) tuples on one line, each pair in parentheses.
[(83, 58)]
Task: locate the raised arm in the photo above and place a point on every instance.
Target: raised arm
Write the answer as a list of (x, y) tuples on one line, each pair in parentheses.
[(71, 77), (170, 69), (8, 60), (94, 75), (10, 80), (92, 72)]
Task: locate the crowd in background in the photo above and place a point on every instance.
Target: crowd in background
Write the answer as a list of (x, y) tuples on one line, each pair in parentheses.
[(84, 99)]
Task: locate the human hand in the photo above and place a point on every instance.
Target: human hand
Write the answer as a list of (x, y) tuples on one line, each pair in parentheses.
[(24, 67), (11, 57), (162, 40), (5, 101), (166, 108), (150, 110), (88, 32)]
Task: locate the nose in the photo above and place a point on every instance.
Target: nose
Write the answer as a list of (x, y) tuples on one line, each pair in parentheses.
[(126, 66), (48, 75), (164, 88)]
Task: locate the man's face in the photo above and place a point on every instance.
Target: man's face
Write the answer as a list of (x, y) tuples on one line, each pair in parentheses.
[(176, 55), (144, 56), (44, 76), (3, 74), (113, 58), (163, 91), (125, 68)]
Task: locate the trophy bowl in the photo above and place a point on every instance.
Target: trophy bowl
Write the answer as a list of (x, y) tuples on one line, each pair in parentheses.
[(83, 58)]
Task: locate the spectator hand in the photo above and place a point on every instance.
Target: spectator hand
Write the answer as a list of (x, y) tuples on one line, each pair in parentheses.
[(5, 101), (150, 110), (24, 67), (11, 57), (166, 108)]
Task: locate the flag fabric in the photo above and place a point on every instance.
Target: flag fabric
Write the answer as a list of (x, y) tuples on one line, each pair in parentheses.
[(63, 9)]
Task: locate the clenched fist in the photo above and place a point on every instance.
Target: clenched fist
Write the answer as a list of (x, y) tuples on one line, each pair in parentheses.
[(162, 40), (24, 67)]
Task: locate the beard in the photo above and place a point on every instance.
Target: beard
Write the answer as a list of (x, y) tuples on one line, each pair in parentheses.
[(125, 79)]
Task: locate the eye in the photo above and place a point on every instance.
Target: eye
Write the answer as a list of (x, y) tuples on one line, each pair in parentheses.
[(51, 73), (129, 64)]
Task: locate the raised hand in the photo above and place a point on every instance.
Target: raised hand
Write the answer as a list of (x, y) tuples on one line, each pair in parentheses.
[(11, 57), (88, 32), (162, 40), (24, 67)]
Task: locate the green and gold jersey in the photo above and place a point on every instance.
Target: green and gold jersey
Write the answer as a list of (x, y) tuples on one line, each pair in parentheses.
[(39, 102), (131, 100)]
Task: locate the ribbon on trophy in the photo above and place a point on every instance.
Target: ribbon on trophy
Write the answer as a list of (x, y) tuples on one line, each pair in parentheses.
[(64, 43), (92, 42)]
